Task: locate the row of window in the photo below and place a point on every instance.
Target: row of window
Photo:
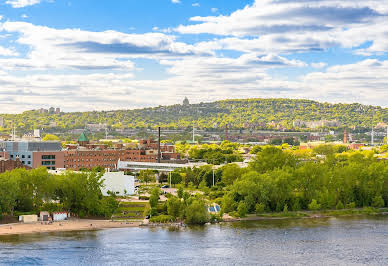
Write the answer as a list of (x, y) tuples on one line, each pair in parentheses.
[(22, 156), (48, 157), (48, 162)]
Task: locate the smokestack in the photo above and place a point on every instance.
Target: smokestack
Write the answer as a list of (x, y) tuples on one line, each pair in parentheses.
[(158, 144)]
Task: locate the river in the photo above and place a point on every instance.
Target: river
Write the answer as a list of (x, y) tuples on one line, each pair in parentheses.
[(333, 241)]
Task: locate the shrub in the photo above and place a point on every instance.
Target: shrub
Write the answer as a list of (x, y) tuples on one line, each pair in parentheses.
[(351, 205), (196, 213), (162, 219), (285, 209), (242, 209), (339, 205), (313, 206), (260, 207), (378, 201)]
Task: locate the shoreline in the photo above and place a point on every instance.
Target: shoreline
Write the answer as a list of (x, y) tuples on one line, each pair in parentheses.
[(63, 226), (91, 225)]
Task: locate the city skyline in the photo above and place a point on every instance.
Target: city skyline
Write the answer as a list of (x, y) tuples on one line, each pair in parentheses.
[(87, 55)]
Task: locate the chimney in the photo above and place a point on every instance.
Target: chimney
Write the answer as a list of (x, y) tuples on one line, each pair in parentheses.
[(158, 144)]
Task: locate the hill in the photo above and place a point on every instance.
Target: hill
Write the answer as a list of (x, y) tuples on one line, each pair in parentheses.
[(249, 113)]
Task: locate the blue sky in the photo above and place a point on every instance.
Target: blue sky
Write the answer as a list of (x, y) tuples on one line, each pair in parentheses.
[(103, 55)]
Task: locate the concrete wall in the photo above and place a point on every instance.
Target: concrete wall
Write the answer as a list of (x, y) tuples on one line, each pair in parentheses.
[(29, 218), (118, 182)]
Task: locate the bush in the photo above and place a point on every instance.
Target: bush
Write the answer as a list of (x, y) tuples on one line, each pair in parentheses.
[(215, 218), (196, 213), (351, 205), (260, 207), (339, 205), (313, 206), (378, 201), (285, 209), (242, 209), (162, 219)]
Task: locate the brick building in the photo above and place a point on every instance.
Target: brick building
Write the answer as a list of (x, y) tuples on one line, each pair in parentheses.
[(8, 165)]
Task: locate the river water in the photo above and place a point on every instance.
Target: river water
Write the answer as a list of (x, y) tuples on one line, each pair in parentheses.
[(334, 241)]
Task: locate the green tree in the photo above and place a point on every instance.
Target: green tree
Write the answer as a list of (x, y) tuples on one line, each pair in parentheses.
[(146, 176), (50, 137), (154, 198), (174, 207), (196, 213)]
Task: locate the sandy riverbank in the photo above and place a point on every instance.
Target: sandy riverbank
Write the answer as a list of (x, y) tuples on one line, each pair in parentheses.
[(73, 225)]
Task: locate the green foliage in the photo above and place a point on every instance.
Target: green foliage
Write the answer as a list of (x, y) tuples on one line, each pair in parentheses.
[(36, 190), (339, 205), (174, 207), (242, 209), (230, 173), (180, 192), (378, 201), (50, 137), (259, 208), (314, 206), (162, 219), (154, 198), (196, 213), (146, 176)]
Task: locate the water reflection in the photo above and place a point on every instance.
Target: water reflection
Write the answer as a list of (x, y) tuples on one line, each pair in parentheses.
[(288, 241)]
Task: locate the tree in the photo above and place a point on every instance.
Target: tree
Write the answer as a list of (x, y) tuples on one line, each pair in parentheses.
[(242, 209), (146, 176), (231, 172), (180, 192), (174, 207), (50, 137), (196, 213), (154, 198)]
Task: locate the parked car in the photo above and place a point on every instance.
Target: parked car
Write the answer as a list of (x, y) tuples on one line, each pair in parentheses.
[(165, 186)]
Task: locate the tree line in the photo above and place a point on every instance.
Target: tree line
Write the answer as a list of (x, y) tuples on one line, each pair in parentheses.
[(23, 191)]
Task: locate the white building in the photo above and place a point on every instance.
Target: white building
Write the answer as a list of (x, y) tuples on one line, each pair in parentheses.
[(118, 183)]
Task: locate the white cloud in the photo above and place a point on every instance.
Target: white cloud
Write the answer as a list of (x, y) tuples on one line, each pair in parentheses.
[(22, 3), (77, 49), (8, 52), (196, 5), (214, 9), (307, 25), (24, 16), (176, 1), (1, 17), (318, 65)]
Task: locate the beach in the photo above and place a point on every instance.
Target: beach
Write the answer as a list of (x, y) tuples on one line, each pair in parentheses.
[(72, 225)]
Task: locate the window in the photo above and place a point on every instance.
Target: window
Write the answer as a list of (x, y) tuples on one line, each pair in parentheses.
[(11, 156), (48, 157), (29, 162), (23, 156), (29, 156)]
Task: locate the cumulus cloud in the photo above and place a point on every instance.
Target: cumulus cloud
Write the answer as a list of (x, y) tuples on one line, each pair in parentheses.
[(176, 1), (307, 25), (77, 49), (196, 4), (22, 3)]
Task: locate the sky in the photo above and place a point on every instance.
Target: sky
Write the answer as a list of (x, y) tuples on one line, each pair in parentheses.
[(83, 55)]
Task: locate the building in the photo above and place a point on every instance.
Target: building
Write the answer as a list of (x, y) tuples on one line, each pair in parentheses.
[(118, 183), (57, 110), (28, 151), (9, 165), (186, 102)]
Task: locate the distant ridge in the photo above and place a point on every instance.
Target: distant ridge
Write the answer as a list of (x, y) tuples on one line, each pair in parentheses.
[(237, 113)]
